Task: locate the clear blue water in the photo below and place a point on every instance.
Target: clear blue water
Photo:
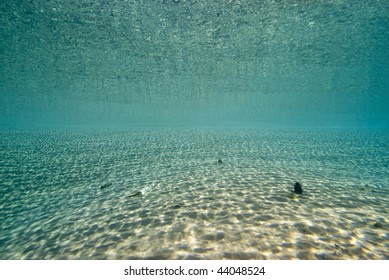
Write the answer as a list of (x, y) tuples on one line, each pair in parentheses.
[(100, 100), (195, 63)]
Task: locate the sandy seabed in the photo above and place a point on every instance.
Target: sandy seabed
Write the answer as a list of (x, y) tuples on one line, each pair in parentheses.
[(162, 194)]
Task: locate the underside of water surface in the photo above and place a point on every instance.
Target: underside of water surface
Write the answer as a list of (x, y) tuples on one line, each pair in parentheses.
[(177, 129)]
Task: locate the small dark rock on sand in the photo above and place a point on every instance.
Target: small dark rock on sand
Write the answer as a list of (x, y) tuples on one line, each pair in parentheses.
[(378, 225), (136, 194), (298, 188), (219, 161), (106, 185)]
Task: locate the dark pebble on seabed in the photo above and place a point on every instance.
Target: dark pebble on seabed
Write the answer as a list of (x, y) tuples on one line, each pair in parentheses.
[(378, 225), (219, 161), (340, 250), (298, 188), (322, 256), (106, 185), (137, 194)]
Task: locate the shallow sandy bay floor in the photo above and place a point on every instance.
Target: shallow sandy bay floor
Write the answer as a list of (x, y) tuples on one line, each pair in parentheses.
[(68, 194)]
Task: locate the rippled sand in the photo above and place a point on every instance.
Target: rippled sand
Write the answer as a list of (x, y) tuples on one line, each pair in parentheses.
[(69, 194)]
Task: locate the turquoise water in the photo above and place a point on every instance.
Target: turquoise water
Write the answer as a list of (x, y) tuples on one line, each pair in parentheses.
[(114, 116), (195, 63)]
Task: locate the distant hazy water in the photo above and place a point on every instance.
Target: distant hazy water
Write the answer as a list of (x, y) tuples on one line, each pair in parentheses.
[(198, 62)]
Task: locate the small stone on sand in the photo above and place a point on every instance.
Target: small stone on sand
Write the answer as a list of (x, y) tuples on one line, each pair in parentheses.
[(136, 194), (378, 225), (298, 188), (106, 185)]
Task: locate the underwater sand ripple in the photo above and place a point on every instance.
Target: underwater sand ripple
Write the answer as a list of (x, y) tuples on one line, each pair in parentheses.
[(53, 205)]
